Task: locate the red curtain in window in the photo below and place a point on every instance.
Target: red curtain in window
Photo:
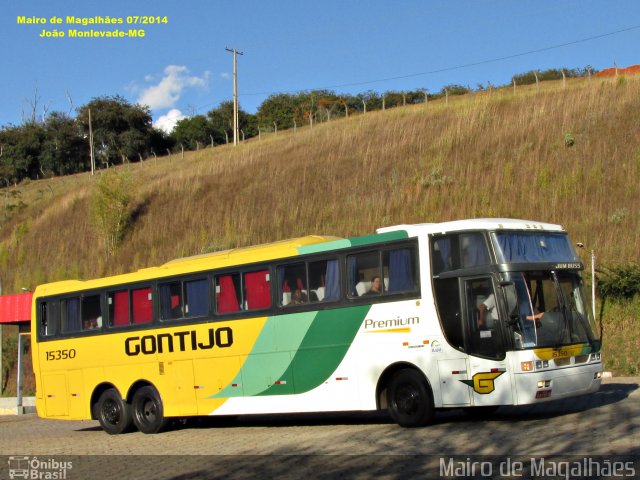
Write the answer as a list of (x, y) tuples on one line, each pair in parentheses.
[(142, 305), (258, 290), (227, 299), (120, 308)]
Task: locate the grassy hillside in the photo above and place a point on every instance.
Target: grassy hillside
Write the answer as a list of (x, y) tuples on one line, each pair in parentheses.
[(562, 155)]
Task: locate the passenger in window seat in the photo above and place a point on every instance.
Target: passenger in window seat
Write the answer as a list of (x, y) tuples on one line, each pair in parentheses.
[(376, 286)]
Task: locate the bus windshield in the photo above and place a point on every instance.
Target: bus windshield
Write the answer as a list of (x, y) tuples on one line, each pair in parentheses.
[(548, 309), (517, 247)]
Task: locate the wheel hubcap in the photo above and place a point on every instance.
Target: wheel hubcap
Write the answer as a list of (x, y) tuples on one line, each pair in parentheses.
[(111, 412), (407, 399)]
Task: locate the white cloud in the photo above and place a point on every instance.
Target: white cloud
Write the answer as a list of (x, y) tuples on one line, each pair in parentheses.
[(170, 87), (167, 121), (225, 75)]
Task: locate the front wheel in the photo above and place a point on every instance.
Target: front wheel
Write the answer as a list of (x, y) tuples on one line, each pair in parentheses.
[(148, 414), (409, 398), (114, 413)]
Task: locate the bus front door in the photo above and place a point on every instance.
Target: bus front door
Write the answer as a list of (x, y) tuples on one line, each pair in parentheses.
[(488, 377)]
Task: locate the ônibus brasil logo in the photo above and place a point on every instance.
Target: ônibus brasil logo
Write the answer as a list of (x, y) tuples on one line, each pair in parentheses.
[(38, 468)]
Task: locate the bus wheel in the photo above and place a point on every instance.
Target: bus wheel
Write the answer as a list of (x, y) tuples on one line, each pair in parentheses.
[(114, 413), (147, 410), (409, 399)]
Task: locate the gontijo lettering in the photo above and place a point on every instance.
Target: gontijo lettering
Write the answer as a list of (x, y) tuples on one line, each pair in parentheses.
[(164, 342)]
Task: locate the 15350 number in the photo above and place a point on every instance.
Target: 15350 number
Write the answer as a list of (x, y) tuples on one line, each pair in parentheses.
[(61, 354)]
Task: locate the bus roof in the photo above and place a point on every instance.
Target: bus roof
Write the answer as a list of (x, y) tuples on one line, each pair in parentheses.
[(474, 224), (290, 248), (207, 261)]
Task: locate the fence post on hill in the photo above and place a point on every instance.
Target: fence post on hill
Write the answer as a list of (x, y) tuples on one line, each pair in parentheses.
[(211, 137), (295, 126), (383, 103), (242, 132), (259, 134), (446, 96), (182, 147), (275, 128), (535, 74), (589, 73), (564, 79), (364, 105), (514, 86)]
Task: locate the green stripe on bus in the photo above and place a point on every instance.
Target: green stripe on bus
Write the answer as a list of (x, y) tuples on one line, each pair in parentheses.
[(324, 247), (372, 239), (378, 238), (271, 355), (322, 349)]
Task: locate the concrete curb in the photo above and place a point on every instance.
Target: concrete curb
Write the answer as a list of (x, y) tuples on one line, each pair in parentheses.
[(9, 405)]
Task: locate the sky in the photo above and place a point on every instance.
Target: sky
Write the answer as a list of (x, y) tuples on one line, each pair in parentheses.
[(182, 68)]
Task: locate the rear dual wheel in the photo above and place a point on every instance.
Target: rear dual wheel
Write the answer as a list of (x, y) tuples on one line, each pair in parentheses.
[(148, 413), (113, 413)]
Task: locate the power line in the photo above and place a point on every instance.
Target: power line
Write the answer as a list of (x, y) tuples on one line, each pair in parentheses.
[(446, 69), (457, 67)]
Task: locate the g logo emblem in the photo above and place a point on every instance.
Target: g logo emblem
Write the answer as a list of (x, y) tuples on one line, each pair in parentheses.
[(483, 382)]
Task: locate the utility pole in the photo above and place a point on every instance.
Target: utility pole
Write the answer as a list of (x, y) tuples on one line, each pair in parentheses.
[(93, 160), (236, 123)]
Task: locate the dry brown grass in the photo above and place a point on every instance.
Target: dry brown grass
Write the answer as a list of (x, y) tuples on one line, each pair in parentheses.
[(489, 154), (480, 155)]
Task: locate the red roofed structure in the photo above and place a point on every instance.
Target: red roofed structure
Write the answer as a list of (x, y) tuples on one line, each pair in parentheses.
[(612, 72), (16, 308)]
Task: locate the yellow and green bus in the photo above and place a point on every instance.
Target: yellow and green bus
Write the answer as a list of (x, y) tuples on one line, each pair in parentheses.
[(414, 318)]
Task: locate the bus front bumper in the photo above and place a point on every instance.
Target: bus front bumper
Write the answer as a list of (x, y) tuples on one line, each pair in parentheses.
[(535, 387)]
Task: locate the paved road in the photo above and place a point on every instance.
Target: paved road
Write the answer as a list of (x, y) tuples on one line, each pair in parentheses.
[(338, 445)]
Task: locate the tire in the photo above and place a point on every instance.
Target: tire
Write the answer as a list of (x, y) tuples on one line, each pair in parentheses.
[(113, 413), (148, 415), (409, 399)]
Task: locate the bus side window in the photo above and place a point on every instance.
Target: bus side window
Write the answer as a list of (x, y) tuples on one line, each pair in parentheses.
[(447, 293), (71, 315), (91, 312), (324, 281), (196, 298), (257, 290), (398, 268), (118, 308), (170, 300), (292, 281), (227, 299), (49, 318), (474, 250), (363, 268), (142, 303)]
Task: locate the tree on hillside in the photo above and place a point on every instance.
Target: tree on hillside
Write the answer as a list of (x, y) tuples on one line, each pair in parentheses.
[(121, 131), (64, 149), (161, 141), (110, 207), (281, 109), (192, 132), (21, 151), (529, 77), (221, 121)]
